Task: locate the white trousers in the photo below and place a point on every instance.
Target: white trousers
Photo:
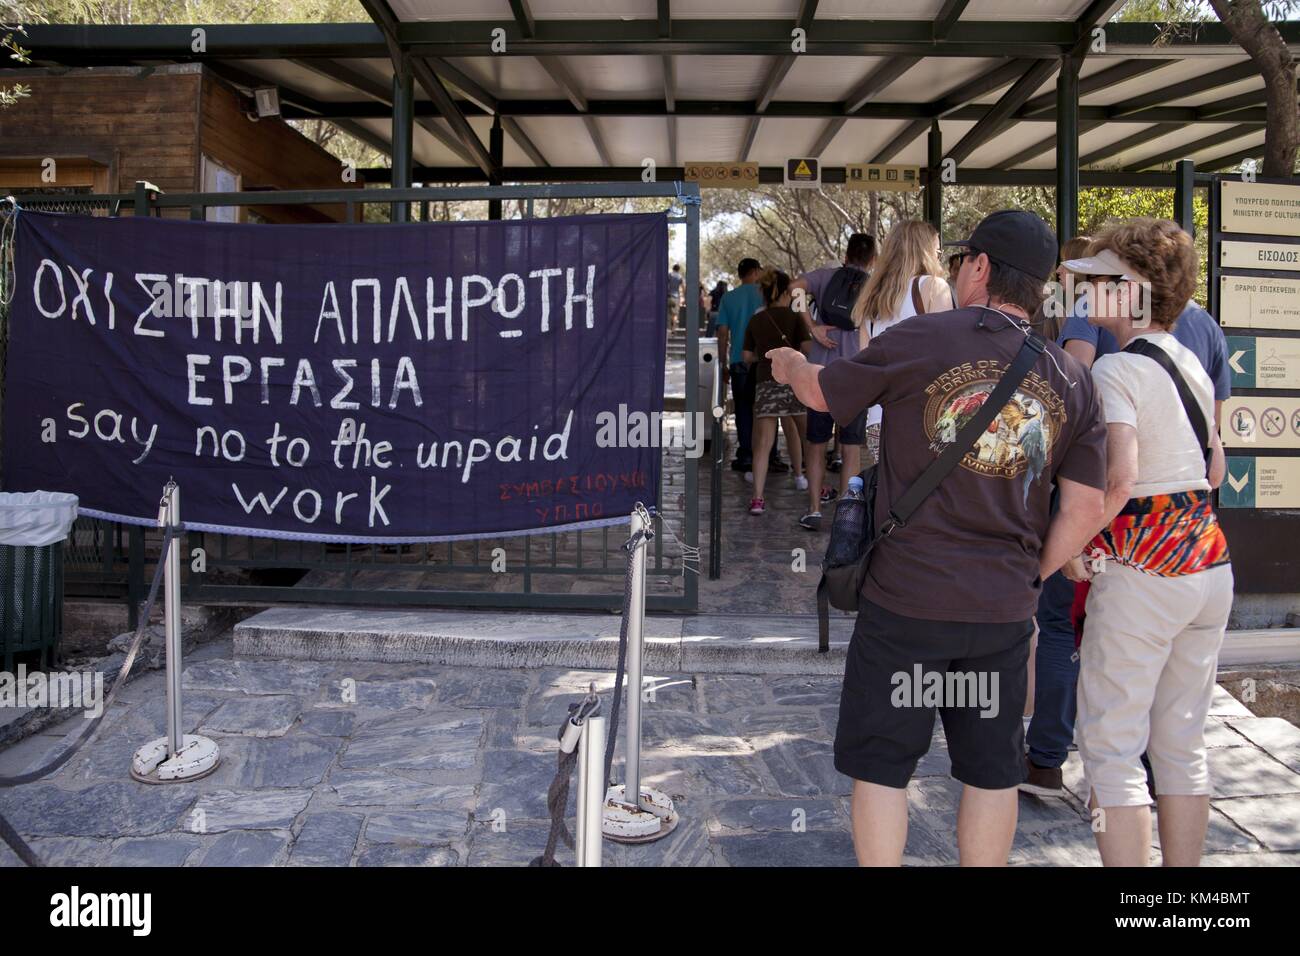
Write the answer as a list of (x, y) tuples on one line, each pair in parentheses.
[(1147, 667)]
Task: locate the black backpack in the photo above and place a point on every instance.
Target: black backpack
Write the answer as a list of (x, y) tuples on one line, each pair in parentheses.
[(844, 569), (835, 307)]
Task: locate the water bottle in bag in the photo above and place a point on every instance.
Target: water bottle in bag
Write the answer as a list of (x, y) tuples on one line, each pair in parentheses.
[(848, 526)]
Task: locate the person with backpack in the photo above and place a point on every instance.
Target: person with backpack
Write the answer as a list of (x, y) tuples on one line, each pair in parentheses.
[(833, 291), (981, 417), (1161, 590)]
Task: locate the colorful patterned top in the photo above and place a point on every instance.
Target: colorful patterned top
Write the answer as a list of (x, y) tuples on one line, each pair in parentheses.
[(1165, 535)]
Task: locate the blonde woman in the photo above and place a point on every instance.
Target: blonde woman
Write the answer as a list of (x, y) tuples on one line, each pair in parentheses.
[(909, 279)]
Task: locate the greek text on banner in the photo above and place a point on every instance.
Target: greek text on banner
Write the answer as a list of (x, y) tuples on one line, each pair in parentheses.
[(412, 382)]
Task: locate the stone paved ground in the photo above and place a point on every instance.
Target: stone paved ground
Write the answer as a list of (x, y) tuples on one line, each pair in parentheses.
[(449, 766)]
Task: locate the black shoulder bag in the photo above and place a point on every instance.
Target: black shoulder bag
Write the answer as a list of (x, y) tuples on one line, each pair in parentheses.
[(1190, 405), (854, 534)]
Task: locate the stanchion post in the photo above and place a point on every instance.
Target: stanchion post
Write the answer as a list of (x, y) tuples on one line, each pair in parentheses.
[(635, 628), (591, 792), (178, 756), (632, 813), (172, 617)]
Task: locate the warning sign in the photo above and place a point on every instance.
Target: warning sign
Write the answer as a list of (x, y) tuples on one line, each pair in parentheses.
[(1260, 421), (874, 176), (803, 172), (723, 175)]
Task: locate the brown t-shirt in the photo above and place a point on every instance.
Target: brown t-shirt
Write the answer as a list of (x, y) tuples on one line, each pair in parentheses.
[(970, 551), (765, 331)]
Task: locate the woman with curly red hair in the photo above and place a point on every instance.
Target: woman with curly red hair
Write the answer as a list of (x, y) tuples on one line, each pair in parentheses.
[(1157, 613)]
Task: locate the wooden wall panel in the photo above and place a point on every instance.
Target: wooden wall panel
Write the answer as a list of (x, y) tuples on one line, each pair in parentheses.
[(138, 126), (156, 126), (267, 154)]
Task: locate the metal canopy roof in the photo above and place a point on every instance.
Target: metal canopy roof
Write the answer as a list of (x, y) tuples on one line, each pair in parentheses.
[(591, 88)]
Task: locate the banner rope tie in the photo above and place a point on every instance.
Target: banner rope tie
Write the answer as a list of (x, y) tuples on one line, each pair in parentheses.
[(8, 226)]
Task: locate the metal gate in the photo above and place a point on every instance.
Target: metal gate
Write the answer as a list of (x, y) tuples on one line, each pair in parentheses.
[(570, 569)]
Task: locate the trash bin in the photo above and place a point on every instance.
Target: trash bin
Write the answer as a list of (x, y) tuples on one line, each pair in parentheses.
[(33, 526)]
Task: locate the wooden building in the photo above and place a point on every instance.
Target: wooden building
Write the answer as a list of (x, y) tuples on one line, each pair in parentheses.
[(180, 127)]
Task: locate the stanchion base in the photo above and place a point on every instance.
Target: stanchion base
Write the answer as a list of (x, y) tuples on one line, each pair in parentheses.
[(623, 823), (197, 758)]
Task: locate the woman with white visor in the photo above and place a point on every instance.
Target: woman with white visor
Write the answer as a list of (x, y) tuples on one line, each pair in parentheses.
[(1161, 581)]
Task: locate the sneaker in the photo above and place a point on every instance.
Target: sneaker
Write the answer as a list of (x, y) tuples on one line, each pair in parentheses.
[(749, 477), (828, 494), (756, 506), (835, 466), (813, 522), (801, 483), (1042, 781), (741, 464), (777, 467)]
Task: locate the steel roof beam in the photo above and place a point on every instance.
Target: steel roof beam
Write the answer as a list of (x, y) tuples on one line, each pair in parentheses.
[(1210, 81), (1129, 142), (1187, 149), (1001, 113), (948, 16), (1101, 80), (786, 109), (739, 36)]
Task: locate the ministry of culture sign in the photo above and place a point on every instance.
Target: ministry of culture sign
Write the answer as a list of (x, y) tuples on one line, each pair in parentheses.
[(1266, 209)]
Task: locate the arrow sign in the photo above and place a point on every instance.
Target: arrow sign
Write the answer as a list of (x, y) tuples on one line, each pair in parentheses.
[(1241, 360), (1240, 488)]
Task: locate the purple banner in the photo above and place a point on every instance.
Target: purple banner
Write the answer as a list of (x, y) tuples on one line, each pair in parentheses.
[(412, 382)]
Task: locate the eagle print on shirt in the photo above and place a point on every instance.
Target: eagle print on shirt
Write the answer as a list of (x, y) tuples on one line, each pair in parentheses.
[(1018, 442)]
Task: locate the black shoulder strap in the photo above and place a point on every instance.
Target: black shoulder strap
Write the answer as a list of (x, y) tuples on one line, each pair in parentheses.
[(1190, 405), (901, 510)]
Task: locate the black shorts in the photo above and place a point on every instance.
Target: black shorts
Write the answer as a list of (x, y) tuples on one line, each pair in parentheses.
[(898, 675), (820, 425)]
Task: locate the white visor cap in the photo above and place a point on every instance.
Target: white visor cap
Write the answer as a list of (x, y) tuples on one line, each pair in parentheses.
[(1104, 263)]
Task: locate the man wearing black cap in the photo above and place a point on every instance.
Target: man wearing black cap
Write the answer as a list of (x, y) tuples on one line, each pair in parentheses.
[(946, 611)]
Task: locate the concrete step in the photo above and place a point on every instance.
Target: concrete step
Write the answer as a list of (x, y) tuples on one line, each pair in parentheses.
[(696, 644), (706, 643)]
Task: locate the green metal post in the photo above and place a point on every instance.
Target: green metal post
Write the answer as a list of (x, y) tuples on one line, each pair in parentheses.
[(496, 149), (1184, 190), (403, 132), (934, 188), (1067, 149)]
